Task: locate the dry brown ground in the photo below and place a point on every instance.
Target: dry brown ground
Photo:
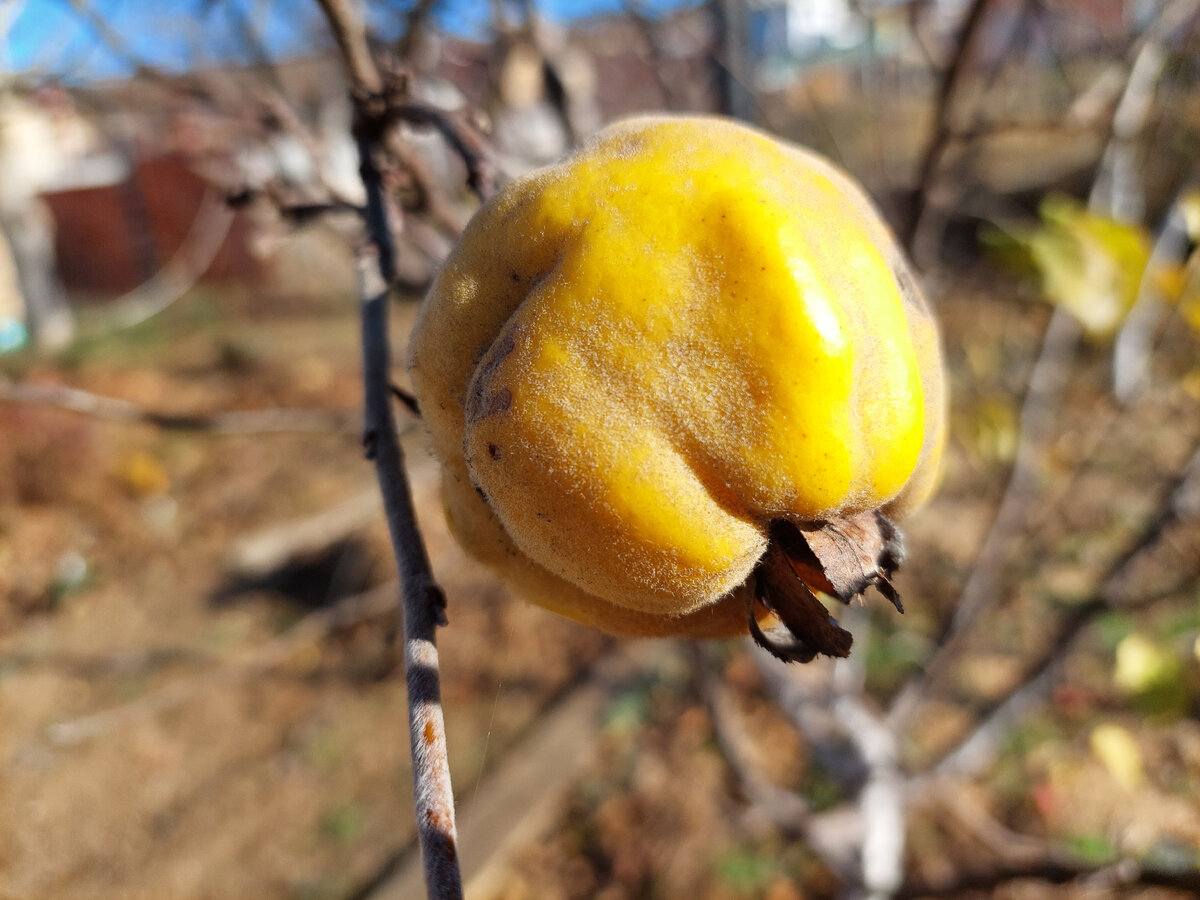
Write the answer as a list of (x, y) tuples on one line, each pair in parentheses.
[(292, 782)]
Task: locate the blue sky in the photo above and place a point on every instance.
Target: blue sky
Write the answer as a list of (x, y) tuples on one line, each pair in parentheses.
[(49, 37)]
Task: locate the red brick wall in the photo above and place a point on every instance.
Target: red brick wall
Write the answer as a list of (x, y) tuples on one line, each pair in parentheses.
[(110, 239)]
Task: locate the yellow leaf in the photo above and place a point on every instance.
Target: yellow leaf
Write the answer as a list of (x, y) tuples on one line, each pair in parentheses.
[(1089, 264), (1118, 750), (143, 475), (1141, 664)]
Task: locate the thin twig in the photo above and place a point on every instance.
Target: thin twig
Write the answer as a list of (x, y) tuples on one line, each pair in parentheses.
[(200, 247), (351, 37), (522, 795), (227, 422), (785, 809), (1134, 345), (1050, 373), (1108, 877), (424, 602), (462, 138), (414, 24), (297, 214), (948, 92), (1038, 412), (973, 752)]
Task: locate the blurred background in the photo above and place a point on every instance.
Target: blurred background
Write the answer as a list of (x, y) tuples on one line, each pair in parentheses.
[(198, 693)]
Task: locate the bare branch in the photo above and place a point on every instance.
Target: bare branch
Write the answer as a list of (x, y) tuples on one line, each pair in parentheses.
[(424, 602), (230, 422), (979, 747), (521, 798), (1124, 873), (481, 175), (200, 247), (298, 214), (1134, 344), (1046, 384), (948, 92), (783, 808), (351, 35), (1118, 184), (414, 23), (273, 96)]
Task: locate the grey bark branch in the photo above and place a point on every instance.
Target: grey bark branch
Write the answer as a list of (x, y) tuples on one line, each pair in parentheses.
[(351, 37), (1118, 185), (1050, 372), (943, 134), (231, 422), (983, 586), (1134, 345), (424, 603), (979, 747)]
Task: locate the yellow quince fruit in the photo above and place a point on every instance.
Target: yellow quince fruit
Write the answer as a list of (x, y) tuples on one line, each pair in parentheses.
[(643, 366)]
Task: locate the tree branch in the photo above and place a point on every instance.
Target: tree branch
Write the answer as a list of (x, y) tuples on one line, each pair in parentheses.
[(249, 421), (424, 603), (785, 809), (979, 747), (982, 589), (351, 36), (414, 24), (943, 134), (1106, 877), (481, 176), (1050, 372)]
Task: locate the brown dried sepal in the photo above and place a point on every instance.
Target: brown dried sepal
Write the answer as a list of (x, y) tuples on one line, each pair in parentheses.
[(841, 557)]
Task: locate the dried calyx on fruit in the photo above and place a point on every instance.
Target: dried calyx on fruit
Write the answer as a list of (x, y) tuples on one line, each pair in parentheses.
[(680, 382)]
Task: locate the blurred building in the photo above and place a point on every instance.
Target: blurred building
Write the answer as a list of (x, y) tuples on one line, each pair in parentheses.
[(123, 176)]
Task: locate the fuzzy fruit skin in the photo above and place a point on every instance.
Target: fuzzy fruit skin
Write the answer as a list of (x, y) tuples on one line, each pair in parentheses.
[(636, 359)]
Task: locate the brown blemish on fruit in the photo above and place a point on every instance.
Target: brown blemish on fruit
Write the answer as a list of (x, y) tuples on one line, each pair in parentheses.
[(478, 405), (497, 403)]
